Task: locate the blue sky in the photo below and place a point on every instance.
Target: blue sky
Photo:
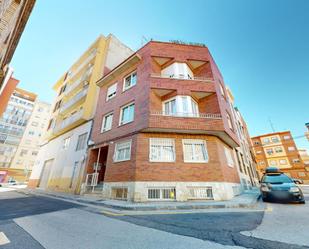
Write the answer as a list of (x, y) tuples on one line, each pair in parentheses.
[(260, 46)]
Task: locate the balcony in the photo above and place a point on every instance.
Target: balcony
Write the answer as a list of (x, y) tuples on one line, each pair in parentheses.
[(67, 122), (187, 115), (82, 65), (180, 77), (67, 105)]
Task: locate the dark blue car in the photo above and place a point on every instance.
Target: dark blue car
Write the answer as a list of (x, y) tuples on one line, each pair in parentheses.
[(276, 186)]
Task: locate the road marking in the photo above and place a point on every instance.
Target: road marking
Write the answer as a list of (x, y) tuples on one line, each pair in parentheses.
[(3, 239)]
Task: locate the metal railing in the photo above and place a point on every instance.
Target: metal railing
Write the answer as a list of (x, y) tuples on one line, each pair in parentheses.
[(74, 99), (68, 121), (187, 115), (179, 77)]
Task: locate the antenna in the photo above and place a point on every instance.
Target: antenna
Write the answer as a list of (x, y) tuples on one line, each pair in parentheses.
[(271, 124), (144, 40)]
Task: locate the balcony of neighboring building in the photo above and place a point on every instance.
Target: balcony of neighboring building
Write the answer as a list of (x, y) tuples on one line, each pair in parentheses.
[(68, 122), (193, 75), (72, 102)]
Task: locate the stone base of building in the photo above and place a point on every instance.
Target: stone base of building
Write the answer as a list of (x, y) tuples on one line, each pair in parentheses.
[(170, 191)]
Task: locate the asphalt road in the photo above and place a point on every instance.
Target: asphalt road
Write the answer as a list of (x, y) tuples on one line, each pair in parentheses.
[(33, 222)]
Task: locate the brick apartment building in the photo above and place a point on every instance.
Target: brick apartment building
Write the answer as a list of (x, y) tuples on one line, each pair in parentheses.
[(279, 150), (163, 128)]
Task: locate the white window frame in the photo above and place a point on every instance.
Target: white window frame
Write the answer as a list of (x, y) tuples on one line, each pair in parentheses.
[(229, 156), (79, 142), (110, 95), (161, 191), (66, 143), (286, 137), (280, 162), (103, 128), (296, 160), (193, 143), (117, 145), (121, 113), (229, 121), (124, 88), (273, 164), (291, 148), (179, 106), (279, 151), (155, 142)]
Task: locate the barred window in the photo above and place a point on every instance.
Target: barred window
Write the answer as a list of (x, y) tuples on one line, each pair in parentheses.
[(162, 150), (122, 151), (162, 193), (195, 150), (200, 193)]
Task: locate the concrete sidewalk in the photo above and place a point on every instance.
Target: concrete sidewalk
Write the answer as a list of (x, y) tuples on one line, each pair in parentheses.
[(246, 200)]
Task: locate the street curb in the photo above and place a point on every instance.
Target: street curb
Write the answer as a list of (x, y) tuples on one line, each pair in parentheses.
[(251, 204)]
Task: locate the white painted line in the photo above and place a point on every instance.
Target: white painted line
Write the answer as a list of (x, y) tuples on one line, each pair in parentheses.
[(3, 239)]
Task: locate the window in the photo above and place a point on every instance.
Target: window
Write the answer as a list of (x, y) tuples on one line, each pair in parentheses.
[(266, 140), (129, 81), (282, 161), (278, 150), (161, 150), (81, 142), (194, 150), (34, 153), (127, 114), (111, 91), (31, 133), (23, 152), (35, 124), (286, 137), (256, 142), (66, 143), (222, 90), (122, 151), (162, 193), (229, 121), (269, 151), (296, 160), (275, 139), (107, 122), (229, 157), (273, 162), (262, 163), (183, 106), (120, 193), (200, 193), (301, 174), (292, 148)]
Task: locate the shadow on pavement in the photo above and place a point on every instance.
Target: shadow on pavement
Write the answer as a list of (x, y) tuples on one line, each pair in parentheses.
[(12, 208)]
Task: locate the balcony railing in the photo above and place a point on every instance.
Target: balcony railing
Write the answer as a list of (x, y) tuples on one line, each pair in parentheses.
[(74, 99), (179, 77), (65, 123), (187, 115), (83, 64)]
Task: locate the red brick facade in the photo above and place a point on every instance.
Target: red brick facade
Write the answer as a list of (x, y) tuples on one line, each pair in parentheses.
[(148, 94)]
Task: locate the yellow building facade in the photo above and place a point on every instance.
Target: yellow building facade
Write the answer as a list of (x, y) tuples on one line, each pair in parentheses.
[(62, 157)]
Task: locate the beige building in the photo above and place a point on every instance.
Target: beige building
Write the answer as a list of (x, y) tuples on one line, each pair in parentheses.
[(305, 157), (29, 145), (21, 127), (61, 161)]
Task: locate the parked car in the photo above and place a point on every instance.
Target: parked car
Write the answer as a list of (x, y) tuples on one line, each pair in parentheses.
[(276, 186), (298, 181)]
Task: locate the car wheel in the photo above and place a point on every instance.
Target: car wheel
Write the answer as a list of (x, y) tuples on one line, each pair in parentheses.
[(265, 199), (302, 202)]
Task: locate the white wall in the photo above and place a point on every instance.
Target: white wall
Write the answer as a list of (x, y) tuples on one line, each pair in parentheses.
[(64, 159)]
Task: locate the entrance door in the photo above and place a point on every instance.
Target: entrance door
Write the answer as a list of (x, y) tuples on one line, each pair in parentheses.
[(45, 173)]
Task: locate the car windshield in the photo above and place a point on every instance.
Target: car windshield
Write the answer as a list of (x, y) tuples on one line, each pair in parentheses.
[(276, 179)]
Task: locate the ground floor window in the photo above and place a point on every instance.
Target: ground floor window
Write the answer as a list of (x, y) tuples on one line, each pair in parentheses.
[(200, 193), (120, 193), (162, 193)]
